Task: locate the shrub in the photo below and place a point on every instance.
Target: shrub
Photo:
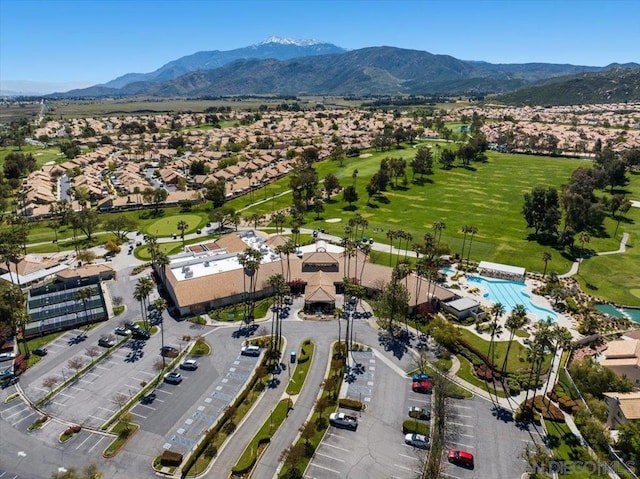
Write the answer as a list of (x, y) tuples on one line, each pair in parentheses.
[(229, 427), (348, 403), (76, 429), (260, 386), (170, 458), (514, 388), (211, 450), (545, 407), (321, 423), (411, 426)]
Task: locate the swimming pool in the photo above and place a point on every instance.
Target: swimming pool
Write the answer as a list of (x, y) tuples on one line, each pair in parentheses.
[(631, 313), (510, 293)]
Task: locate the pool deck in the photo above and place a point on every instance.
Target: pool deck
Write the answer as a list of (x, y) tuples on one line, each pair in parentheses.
[(473, 291)]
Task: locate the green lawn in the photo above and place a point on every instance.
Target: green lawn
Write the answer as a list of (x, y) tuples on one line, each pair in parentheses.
[(517, 352), (466, 373), (169, 225), (41, 155), (299, 374), (568, 450), (458, 196)]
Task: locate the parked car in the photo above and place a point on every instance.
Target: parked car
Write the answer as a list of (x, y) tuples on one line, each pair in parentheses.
[(106, 342), (169, 351), (130, 325), (461, 458), (173, 378), (417, 412), (7, 374), (250, 350), (340, 419), (417, 440), (140, 334), (422, 386), (7, 356), (41, 351), (421, 377), (189, 364), (122, 331)]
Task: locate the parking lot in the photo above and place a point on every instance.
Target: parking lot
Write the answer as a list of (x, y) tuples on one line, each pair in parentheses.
[(491, 435), (376, 449)]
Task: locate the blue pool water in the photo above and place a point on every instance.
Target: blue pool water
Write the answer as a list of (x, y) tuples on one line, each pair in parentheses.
[(510, 293), (632, 313)]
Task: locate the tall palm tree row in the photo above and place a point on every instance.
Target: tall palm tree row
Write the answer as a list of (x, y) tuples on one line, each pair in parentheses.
[(250, 260), (517, 320), (160, 306), (141, 293)]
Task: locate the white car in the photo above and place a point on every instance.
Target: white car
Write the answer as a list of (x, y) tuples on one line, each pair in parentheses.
[(189, 364), (7, 356), (250, 351), (417, 440)]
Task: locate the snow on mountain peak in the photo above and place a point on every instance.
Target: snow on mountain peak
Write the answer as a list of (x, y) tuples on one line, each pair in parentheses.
[(289, 41)]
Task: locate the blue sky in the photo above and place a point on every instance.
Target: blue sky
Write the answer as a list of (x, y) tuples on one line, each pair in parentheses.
[(96, 41)]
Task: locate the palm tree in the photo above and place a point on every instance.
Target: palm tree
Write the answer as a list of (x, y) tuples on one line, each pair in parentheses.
[(141, 293), (250, 260), (562, 339), (84, 295), (583, 238), (546, 257), (495, 329), (497, 310), (182, 227), (465, 230), (472, 230), (391, 235), (160, 305), (516, 320), (535, 354), (439, 226)]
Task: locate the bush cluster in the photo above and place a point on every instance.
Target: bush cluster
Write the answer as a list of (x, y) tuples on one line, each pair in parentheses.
[(170, 458), (545, 407), (349, 403)]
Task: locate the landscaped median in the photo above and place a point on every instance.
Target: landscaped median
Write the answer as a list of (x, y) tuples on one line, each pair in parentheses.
[(207, 448), (298, 456), (263, 437)]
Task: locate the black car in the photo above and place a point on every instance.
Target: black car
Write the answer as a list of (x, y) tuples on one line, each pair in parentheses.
[(169, 351), (41, 351), (140, 334)]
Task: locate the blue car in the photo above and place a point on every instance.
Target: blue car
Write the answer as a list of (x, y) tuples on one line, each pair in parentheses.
[(420, 377)]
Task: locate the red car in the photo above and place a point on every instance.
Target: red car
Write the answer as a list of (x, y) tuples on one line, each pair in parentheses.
[(423, 386), (461, 458)]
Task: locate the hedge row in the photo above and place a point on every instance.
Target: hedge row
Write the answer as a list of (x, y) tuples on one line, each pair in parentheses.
[(349, 403), (548, 410), (413, 426)]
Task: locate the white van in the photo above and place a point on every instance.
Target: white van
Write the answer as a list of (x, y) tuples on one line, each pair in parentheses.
[(250, 351)]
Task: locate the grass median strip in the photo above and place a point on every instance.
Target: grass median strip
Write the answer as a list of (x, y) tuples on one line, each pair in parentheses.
[(303, 365), (262, 438)]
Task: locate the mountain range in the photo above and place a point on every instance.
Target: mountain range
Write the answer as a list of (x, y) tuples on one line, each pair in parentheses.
[(280, 66)]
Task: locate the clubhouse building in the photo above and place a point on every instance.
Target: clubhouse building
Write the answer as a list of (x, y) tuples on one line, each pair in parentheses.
[(209, 275)]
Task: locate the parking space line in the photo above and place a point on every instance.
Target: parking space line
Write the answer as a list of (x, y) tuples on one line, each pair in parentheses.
[(82, 443), (324, 467), (461, 407), (403, 467), (130, 386), (22, 419), (420, 400), (40, 389), (66, 395), (462, 444), (93, 447), (163, 391), (450, 475), (97, 417), (329, 457), (460, 424), (16, 413), (466, 435), (461, 415), (98, 366), (76, 387), (106, 409), (15, 405), (409, 457), (147, 372), (58, 403), (336, 447), (148, 407), (139, 415)]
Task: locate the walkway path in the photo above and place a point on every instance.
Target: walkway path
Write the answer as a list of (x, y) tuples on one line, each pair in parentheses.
[(576, 264)]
